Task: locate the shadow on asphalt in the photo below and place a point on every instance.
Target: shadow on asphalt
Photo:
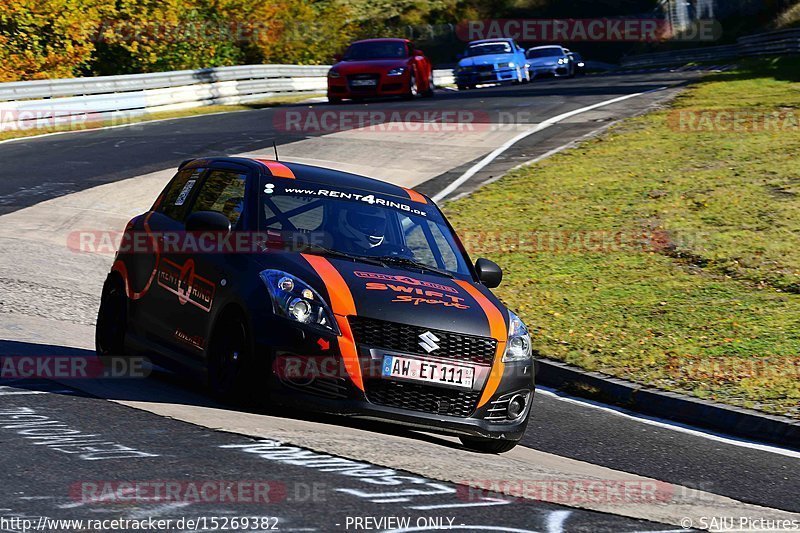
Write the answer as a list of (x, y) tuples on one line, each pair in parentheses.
[(159, 385)]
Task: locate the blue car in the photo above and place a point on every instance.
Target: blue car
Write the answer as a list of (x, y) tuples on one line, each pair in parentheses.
[(492, 61), (551, 61)]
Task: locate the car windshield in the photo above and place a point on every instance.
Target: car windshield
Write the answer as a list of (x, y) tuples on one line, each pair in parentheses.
[(376, 50), (356, 224), (482, 49), (544, 52)]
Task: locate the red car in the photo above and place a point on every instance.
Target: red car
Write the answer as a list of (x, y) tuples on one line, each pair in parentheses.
[(380, 67)]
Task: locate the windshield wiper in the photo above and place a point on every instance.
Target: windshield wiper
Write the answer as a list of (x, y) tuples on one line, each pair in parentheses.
[(405, 261), (344, 255)]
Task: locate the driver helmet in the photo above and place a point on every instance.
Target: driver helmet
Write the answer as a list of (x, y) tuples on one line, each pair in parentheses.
[(364, 226)]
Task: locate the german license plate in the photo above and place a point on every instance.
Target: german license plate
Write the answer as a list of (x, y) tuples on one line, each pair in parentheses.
[(364, 83), (428, 371)]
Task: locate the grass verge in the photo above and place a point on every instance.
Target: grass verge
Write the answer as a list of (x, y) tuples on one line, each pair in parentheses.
[(666, 251), (162, 115)]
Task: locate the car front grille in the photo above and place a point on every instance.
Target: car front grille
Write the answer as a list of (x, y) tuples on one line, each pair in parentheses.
[(425, 398), (405, 338), (485, 68)]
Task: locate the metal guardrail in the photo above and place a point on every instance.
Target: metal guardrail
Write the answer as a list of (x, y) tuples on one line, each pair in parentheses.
[(47, 103), (780, 42)]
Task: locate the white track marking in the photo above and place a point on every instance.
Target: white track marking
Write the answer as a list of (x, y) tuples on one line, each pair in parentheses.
[(463, 528), (21, 392), (157, 511), (485, 503), (555, 521), (477, 167), (666, 424)]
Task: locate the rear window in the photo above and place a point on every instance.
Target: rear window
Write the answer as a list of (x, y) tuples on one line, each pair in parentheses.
[(179, 192)]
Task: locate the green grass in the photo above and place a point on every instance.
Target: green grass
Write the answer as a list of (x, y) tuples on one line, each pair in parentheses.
[(162, 115), (708, 301)]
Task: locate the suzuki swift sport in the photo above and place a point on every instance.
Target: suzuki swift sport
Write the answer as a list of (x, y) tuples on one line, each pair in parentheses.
[(318, 288)]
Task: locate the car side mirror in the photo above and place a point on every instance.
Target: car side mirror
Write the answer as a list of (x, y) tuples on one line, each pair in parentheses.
[(489, 272), (337, 57), (461, 55), (419, 53), (208, 221)]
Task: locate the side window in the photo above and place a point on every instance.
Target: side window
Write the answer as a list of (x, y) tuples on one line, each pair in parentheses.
[(176, 197), (222, 191)]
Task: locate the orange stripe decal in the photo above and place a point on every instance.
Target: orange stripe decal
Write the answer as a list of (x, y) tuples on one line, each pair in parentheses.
[(279, 170), (498, 331), (343, 306), (122, 270), (416, 197)]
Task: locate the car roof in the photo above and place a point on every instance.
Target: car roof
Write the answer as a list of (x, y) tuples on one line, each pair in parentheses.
[(382, 40), (548, 46), (311, 173), (499, 39)]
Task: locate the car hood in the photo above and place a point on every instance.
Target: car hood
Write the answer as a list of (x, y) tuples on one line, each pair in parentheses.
[(543, 61), (490, 59), (373, 65), (399, 295)]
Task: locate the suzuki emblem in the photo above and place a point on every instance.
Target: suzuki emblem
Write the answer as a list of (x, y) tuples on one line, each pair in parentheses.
[(428, 341)]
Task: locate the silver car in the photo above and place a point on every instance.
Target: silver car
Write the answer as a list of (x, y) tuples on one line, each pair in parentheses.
[(550, 60)]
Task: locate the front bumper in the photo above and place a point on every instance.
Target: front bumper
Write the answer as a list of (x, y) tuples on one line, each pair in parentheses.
[(347, 86), (550, 70), (478, 77), (318, 381)]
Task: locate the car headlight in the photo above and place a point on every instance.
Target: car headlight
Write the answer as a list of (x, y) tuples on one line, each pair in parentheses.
[(519, 346), (333, 73), (294, 299), (396, 71), (562, 61)]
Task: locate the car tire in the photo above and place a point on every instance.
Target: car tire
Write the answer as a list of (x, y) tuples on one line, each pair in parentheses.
[(334, 101), (464, 87), (431, 85), (229, 360), (413, 89), (112, 320), (488, 445)]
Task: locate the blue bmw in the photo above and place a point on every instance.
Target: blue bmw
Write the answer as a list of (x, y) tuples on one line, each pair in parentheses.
[(492, 61)]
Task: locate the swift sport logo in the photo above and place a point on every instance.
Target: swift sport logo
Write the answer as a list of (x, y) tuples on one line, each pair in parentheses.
[(428, 341)]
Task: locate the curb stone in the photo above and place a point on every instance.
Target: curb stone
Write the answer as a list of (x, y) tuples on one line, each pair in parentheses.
[(731, 420)]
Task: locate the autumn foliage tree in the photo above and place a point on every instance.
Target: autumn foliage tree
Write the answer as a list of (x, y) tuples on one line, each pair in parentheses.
[(48, 38)]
